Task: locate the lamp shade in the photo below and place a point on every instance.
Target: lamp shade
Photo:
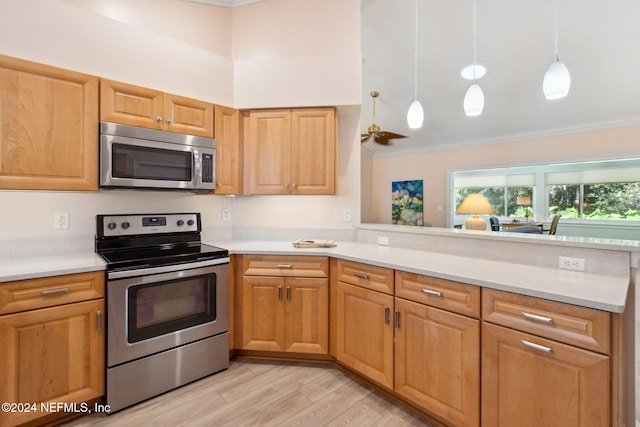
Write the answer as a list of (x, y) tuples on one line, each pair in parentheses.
[(523, 201), (415, 115), (474, 100), (557, 80), (475, 204)]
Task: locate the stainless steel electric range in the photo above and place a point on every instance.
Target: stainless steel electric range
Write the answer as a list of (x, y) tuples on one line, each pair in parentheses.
[(167, 304)]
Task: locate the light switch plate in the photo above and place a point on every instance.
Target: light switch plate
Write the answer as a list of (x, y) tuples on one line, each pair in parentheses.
[(346, 215), (226, 214)]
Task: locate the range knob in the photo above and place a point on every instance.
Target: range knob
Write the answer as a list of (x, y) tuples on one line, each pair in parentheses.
[(111, 225), (180, 223), (125, 225), (190, 222)]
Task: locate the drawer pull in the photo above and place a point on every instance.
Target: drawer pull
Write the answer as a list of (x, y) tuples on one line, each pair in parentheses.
[(386, 315), (537, 318), (536, 346), (54, 292), (284, 265), (432, 292), (361, 276)]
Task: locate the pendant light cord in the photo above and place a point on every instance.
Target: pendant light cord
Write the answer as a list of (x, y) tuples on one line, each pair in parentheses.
[(415, 59), (556, 27), (474, 41)]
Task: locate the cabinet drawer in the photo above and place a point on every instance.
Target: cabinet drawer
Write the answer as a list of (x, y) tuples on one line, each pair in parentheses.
[(30, 294), (452, 296), (367, 276), (580, 326), (289, 266)]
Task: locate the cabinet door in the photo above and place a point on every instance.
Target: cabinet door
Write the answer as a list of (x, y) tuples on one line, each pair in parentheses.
[(228, 151), (365, 332), (313, 151), (267, 161), (131, 105), (307, 315), (531, 381), (437, 356), (52, 354), (48, 127), (263, 313), (187, 115)]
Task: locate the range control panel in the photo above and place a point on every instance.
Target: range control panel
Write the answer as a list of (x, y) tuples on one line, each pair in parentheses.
[(128, 225)]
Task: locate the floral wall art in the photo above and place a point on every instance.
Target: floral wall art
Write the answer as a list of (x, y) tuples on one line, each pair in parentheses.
[(406, 203)]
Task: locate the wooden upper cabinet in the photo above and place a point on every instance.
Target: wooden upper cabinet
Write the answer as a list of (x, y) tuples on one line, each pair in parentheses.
[(48, 127), (228, 151), (138, 106), (290, 151)]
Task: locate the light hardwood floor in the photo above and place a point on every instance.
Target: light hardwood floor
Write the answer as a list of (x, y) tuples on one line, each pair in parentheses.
[(266, 393)]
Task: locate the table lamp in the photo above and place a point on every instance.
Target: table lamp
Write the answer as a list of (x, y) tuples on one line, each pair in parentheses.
[(525, 202), (475, 204)]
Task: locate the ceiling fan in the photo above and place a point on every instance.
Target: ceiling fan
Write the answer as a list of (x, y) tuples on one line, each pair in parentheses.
[(379, 136)]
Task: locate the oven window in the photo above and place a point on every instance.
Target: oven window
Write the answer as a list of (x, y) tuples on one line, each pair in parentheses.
[(134, 162), (161, 308)]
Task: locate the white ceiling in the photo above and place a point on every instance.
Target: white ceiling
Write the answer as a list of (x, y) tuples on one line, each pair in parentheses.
[(225, 3), (599, 41)]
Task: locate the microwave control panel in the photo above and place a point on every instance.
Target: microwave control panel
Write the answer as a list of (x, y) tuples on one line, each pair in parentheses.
[(207, 167)]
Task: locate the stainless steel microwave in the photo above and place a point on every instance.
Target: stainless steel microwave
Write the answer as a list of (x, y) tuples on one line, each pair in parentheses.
[(133, 157)]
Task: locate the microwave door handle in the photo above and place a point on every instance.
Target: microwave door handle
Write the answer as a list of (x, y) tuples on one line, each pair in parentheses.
[(196, 158)]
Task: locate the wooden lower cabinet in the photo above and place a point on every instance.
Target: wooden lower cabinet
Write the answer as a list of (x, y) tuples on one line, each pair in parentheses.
[(364, 340), (285, 314), (531, 381), (51, 355), (437, 361)]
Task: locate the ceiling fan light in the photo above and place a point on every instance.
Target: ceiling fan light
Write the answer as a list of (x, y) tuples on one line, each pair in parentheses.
[(474, 101), (557, 80), (415, 115)]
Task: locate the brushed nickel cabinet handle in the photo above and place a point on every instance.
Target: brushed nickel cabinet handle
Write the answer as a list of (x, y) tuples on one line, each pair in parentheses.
[(432, 292), (361, 276), (98, 320), (397, 318), (54, 292), (169, 121), (288, 293), (537, 318), (279, 293), (284, 265), (294, 185), (535, 346), (386, 315), (159, 118), (286, 185)]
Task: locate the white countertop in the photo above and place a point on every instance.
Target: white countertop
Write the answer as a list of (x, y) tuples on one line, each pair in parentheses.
[(588, 290), (31, 267)]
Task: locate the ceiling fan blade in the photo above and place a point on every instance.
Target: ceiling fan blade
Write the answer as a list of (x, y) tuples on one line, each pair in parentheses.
[(364, 137), (390, 135)]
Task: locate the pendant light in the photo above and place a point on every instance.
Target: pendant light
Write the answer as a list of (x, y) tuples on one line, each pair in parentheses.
[(415, 115), (557, 79), (474, 98)]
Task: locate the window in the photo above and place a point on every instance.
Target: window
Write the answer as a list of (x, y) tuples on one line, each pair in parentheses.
[(607, 190)]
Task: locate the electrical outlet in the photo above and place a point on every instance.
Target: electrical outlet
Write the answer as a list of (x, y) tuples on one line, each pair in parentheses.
[(61, 221), (568, 263), (226, 214), (346, 215), (384, 241)]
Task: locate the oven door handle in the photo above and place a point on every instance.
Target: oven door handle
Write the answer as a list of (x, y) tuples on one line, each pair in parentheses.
[(165, 268)]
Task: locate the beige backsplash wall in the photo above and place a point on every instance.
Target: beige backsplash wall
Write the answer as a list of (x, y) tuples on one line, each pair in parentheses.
[(432, 167)]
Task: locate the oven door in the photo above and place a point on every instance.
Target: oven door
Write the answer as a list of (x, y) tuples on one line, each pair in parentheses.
[(135, 163), (152, 313)]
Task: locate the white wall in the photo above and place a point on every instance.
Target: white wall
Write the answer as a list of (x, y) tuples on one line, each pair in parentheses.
[(204, 52)]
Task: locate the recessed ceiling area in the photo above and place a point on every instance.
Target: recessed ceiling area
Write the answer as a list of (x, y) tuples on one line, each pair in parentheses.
[(598, 42)]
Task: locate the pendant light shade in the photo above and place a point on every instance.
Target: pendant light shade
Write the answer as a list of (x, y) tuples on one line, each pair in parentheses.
[(557, 80), (474, 100), (415, 115)]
